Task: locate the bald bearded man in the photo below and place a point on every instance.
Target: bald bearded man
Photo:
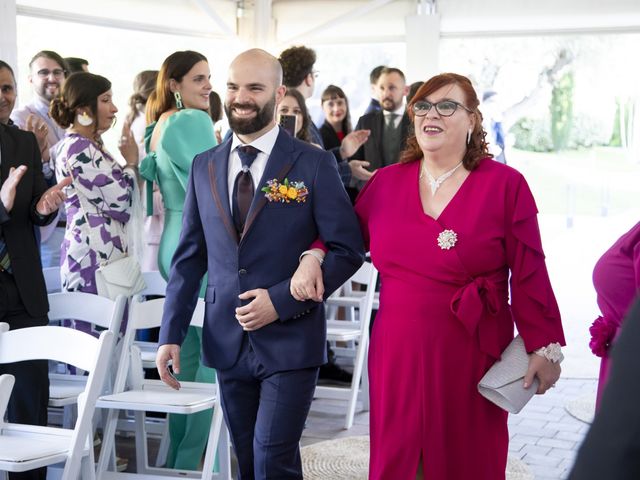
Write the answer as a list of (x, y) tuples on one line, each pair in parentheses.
[(266, 346)]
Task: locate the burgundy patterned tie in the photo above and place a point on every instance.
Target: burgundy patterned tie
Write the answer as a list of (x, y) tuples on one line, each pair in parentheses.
[(243, 187)]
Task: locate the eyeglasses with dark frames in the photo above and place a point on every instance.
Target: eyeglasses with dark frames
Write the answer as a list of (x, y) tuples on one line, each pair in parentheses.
[(446, 108), (58, 72)]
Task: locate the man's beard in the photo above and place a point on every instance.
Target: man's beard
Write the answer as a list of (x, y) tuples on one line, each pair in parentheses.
[(44, 91), (389, 105), (247, 126)]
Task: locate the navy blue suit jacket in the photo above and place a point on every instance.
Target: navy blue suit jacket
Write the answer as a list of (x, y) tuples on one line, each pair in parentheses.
[(266, 256)]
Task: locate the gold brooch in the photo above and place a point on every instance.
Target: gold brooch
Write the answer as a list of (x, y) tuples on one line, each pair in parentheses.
[(285, 192), (447, 239)]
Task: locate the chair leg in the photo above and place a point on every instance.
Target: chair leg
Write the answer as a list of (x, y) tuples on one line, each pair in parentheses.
[(224, 455), (142, 456), (212, 442), (107, 449), (365, 382), (163, 449)]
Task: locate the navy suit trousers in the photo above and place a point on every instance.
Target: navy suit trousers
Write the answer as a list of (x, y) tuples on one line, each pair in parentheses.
[(266, 413)]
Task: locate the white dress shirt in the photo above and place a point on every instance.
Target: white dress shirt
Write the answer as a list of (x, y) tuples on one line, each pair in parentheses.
[(399, 113), (265, 144)]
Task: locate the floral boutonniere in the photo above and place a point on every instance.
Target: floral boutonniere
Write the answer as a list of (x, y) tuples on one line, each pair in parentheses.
[(285, 192)]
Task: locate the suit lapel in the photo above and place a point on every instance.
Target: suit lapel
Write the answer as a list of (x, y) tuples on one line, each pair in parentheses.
[(282, 158), (218, 172)]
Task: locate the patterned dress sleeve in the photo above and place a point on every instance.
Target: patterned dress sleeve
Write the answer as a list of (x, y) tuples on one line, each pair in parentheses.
[(100, 180), (186, 134), (533, 302)]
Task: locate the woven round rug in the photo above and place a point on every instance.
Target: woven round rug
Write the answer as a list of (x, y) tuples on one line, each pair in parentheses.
[(348, 459), (583, 408)]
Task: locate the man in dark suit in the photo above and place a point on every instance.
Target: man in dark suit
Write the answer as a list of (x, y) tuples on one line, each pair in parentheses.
[(254, 204), (611, 448), (24, 202), (390, 126), (374, 76)]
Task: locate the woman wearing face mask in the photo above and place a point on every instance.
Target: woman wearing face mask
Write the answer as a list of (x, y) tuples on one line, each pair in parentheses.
[(180, 128), (293, 104), (337, 123), (102, 192)]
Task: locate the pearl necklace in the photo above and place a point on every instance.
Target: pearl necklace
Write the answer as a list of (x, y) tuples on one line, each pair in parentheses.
[(435, 183)]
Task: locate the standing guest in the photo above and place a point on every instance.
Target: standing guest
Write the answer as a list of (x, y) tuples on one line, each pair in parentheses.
[(77, 64), (216, 114), (297, 66), (493, 125), (48, 73), (610, 449), (144, 84), (8, 93), (24, 202), (413, 88), (445, 315), (293, 104), (374, 77), (101, 193), (265, 345), (389, 127), (180, 128), (337, 123), (616, 278)]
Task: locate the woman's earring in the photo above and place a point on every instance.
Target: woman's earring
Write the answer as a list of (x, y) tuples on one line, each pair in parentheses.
[(84, 119), (178, 98), (469, 136)]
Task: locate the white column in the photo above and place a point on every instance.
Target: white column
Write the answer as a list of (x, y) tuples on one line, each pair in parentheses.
[(8, 34), (422, 40)]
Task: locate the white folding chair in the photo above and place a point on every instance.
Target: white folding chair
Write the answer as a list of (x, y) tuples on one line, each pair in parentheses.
[(357, 331), (157, 286), (100, 311), (25, 447), (52, 279), (153, 395)]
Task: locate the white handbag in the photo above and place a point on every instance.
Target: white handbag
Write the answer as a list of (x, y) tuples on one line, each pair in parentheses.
[(502, 384), (122, 276)]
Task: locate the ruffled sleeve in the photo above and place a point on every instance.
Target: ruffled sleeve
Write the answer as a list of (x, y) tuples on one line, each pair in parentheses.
[(186, 134), (533, 303)]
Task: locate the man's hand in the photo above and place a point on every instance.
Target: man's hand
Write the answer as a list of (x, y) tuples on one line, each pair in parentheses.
[(166, 353), (52, 198), (306, 283), (41, 131), (547, 372), (8, 190), (258, 313), (359, 171), (352, 142)]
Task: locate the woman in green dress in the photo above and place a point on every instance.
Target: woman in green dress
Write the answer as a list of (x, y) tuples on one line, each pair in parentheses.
[(179, 129)]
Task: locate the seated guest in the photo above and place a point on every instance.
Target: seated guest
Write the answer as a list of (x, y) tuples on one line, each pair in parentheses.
[(24, 202)]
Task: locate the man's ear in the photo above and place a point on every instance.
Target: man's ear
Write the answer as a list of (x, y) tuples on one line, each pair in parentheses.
[(308, 80), (280, 92), (405, 90)]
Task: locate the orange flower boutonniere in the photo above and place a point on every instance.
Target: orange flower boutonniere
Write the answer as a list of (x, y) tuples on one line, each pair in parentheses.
[(285, 192)]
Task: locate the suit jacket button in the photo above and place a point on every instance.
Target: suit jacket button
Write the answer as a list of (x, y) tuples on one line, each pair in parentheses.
[(242, 271)]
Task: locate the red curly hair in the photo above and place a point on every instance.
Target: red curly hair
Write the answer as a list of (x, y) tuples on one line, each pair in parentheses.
[(477, 148)]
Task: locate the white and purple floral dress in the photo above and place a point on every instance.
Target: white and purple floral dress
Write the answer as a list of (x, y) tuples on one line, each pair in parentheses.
[(106, 190)]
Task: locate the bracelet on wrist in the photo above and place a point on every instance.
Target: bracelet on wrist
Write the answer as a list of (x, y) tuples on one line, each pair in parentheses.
[(316, 255), (551, 352)]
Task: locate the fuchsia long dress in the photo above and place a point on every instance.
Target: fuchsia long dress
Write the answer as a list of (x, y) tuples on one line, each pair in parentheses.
[(444, 318), (616, 278)]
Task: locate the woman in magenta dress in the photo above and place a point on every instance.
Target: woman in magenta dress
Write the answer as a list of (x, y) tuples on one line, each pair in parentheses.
[(616, 278), (446, 228)]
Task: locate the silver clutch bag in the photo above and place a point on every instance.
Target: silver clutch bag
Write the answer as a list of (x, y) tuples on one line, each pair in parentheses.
[(502, 384)]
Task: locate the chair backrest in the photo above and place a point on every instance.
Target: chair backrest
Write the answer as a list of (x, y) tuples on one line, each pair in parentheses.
[(6, 385), (155, 284), (88, 307), (52, 279), (145, 314), (69, 346)]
